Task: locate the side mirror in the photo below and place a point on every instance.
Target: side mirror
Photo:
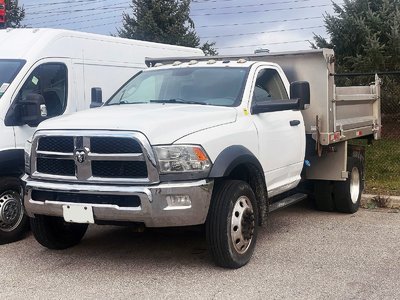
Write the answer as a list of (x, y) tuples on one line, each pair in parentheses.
[(275, 105), (31, 111), (97, 97), (301, 90)]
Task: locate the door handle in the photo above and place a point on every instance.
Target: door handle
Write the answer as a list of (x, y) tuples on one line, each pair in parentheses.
[(294, 122)]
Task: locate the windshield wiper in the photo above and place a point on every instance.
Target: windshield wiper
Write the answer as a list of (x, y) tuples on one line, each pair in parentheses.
[(178, 100), (125, 102)]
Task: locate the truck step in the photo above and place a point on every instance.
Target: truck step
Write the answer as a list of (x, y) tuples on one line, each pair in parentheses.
[(287, 201)]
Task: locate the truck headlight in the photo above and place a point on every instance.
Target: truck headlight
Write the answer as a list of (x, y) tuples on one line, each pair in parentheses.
[(27, 156), (178, 159)]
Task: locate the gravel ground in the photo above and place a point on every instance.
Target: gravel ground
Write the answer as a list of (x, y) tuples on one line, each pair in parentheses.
[(301, 254)]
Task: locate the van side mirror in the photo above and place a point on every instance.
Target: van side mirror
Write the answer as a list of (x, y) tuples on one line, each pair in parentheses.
[(31, 111), (301, 90), (97, 97)]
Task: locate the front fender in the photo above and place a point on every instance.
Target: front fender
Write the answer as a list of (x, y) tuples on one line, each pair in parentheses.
[(232, 157)]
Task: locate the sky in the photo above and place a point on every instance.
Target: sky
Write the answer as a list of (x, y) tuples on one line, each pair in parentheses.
[(237, 26)]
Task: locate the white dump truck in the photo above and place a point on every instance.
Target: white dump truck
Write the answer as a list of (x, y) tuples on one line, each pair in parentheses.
[(59, 67), (221, 141)]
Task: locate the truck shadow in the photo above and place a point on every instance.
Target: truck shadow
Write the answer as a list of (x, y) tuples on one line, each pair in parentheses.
[(168, 247)]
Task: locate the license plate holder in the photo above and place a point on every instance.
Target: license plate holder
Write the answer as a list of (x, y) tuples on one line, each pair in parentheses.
[(74, 213)]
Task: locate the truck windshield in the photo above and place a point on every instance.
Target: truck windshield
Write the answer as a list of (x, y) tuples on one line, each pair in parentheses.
[(9, 68), (193, 85)]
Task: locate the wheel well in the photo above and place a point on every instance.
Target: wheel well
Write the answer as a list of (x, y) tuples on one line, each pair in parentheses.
[(12, 162), (251, 174)]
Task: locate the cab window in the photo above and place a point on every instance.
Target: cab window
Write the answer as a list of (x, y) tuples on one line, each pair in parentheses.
[(269, 86), (50, 81)]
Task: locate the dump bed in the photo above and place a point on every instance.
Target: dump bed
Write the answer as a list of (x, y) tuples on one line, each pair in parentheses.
[(335, 113)]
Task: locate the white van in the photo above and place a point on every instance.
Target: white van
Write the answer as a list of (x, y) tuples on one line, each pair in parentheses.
[(59, 68)]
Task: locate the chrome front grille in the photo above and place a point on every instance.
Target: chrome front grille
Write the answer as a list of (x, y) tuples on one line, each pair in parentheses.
[(92, 156)]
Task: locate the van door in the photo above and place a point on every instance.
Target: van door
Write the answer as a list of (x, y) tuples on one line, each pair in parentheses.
[(280, 134), (51, 80)]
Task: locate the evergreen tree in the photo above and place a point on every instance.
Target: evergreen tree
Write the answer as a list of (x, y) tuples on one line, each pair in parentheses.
[(162, 21), (208, 48), (14, 14), (365, 35)]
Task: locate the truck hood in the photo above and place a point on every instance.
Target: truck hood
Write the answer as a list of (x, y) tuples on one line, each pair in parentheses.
[(161, 123)]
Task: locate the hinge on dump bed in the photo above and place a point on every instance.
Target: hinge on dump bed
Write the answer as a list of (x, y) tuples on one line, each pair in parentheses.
[(318, 146)]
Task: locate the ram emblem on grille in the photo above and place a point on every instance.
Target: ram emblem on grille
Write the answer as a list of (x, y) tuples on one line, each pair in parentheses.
[(80, 156)]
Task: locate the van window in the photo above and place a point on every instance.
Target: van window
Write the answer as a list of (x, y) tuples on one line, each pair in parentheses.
[(269, 86), (9, 68), (50, 81)]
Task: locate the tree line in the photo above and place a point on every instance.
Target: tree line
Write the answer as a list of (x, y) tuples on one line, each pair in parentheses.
[(365, 35)]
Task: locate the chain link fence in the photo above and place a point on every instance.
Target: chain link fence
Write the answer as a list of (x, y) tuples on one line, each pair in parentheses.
[(383, 157)]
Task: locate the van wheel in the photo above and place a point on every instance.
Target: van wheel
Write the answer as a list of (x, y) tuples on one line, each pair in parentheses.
[(323, 190), (55, 233), (13, 221), (231, 226), (347, 194)]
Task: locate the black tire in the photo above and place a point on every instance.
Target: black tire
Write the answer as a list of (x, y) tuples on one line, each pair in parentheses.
[(233, 203), (14, 224), (54, 233), (347, 194), (323, 192)]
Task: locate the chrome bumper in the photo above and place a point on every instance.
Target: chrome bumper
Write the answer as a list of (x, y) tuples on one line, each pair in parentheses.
[(153, 211)]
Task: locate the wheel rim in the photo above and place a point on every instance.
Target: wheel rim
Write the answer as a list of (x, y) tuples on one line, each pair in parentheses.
[(11, 210), (354, 185), (242, 224)]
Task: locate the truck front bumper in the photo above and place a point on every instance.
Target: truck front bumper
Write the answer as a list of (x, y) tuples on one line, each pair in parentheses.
[(163, 205)]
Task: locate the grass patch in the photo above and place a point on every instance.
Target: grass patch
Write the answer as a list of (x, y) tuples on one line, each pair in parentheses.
[(383, 167)]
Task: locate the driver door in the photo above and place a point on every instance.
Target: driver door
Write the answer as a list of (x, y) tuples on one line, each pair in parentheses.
[(280, 133), (49, 79)]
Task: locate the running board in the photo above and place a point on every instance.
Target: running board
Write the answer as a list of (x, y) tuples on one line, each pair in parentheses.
[(287, 201)]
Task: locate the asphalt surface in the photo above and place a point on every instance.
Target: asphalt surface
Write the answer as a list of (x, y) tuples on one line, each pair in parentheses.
[(301, 254)]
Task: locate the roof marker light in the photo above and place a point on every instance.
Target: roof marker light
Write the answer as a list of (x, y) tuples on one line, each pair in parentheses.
[(177, 63), (193, 62), (211, 61), (241, 61), (158, 65)]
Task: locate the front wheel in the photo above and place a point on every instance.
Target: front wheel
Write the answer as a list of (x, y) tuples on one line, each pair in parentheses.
[(13, 222), (231, 227), (55, 233)]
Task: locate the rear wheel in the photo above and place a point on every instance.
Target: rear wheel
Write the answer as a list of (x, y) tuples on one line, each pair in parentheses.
[(231, 227), (347, 194), (55, 233), (13, 222)]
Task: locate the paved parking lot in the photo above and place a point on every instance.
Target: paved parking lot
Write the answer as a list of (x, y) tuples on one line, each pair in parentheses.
[(302, 253)]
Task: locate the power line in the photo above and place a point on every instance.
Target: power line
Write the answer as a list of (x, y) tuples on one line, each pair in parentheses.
[(69, 3), (253, 5), (93, 26), (76, 18), (274, 43), (260, 22), (261, 32), (57, 11), (264, 10), (210, 1)]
